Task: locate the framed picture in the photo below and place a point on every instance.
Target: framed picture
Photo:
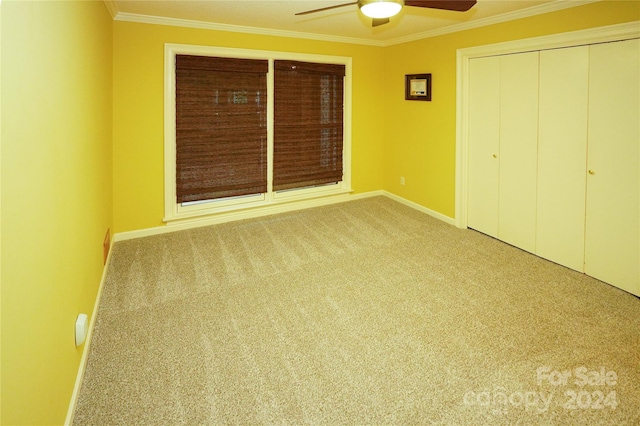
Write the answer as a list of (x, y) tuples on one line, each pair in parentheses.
[(417, 87)]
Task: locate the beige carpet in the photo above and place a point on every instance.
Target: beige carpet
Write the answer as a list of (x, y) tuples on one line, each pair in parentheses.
[(365, 312)]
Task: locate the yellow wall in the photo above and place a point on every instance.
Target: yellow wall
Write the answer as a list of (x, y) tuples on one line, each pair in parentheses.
[(421, 136), (391, 137), (56, 195), (70, 156), (138, 111)]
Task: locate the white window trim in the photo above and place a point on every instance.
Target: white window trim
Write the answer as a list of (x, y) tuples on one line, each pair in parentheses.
[(176, 212)]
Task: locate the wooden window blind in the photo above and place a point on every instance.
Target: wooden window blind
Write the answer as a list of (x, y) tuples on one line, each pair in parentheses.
[(308, 124), (221, 127)]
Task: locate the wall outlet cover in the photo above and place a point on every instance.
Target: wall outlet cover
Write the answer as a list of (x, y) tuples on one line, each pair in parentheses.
[(82, 327)]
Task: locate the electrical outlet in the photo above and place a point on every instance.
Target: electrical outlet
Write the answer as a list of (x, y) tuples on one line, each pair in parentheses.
[(401, 180), (106, 245)]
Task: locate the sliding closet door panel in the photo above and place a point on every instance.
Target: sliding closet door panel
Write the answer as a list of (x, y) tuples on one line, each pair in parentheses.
[(613, 208), (484, 144), (518, 149), (562, 155)]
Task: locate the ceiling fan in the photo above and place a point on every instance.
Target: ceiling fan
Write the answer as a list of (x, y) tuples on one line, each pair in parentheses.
[(382, 10)]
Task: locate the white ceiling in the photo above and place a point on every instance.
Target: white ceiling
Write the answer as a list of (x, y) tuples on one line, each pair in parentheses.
[(343, 24)]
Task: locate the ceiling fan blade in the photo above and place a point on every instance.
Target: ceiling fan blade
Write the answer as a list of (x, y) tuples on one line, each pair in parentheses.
[(379, 21), (326, 8), (455, 5)]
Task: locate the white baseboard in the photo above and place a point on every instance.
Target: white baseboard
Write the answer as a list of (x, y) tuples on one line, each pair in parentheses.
[(266, 211), (85, 350), (242, 214), (432, 213)]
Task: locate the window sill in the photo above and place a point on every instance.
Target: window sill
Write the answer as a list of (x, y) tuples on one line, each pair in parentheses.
[(258, 206)]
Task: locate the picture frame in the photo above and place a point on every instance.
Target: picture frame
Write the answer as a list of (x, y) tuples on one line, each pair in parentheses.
[(417, 87)]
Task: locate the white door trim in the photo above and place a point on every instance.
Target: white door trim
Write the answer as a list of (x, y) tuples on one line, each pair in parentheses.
[(575, 38)]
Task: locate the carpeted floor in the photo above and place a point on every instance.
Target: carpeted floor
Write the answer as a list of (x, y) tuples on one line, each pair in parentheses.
[(365, 312)]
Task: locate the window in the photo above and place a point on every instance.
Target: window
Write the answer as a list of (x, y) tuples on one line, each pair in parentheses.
[(221, 127), (308, 124), (250, 129)]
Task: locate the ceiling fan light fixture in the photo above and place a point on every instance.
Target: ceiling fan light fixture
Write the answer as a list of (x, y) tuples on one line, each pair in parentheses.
[(380, 8)]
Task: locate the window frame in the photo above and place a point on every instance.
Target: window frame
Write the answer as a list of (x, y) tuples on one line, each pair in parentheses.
[(174, 211)]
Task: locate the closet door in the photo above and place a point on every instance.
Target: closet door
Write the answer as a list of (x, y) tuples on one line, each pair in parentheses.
[(612, 242), (484, 144), (518, 149), (562, 155)]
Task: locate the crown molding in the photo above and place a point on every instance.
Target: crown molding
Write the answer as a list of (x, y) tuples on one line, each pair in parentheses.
[(604, 34), (505, 17), (112, 7), (158, 20)]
